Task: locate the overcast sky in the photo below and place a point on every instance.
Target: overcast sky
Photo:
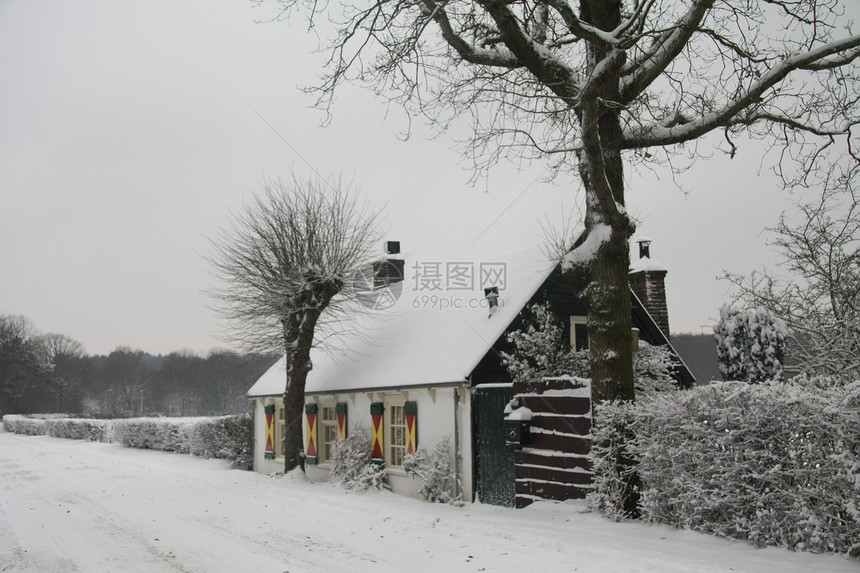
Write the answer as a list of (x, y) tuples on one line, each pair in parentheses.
[(129, 130)]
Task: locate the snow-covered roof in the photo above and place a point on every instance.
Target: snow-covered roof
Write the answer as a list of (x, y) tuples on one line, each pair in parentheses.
[(428, 338)]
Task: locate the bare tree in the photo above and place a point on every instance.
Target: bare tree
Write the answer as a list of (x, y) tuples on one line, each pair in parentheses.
[(20, 370), (819, 296), (599, 83), (283, 262), (125, 375), (63, 359)]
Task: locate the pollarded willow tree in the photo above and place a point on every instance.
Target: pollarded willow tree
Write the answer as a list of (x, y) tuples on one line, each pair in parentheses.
[(286, 267), (596, 84)]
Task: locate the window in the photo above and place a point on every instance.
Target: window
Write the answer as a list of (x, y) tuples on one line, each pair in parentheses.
[(578, 333), (401, 429), (396, 450), (280, 432), (328, 432)]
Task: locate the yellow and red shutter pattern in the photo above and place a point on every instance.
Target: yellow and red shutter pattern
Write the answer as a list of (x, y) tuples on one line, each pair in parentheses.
[(311, 456), (410, 410), (340, 411), (270, 432), (376, 414)]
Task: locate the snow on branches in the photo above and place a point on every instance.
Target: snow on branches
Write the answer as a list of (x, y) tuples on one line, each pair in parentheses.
[(819, 297), (433, 468), (351, 466), (541, 349)]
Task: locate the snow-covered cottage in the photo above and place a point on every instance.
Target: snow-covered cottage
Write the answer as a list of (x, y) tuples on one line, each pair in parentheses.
[(424, 366)]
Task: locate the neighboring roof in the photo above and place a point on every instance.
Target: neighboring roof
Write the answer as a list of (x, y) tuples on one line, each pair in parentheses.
[(428, 338)]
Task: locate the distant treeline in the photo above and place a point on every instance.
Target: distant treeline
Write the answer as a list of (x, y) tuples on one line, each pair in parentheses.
[(45, 373)]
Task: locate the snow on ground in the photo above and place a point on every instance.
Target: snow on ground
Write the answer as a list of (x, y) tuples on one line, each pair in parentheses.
[(83, 506)]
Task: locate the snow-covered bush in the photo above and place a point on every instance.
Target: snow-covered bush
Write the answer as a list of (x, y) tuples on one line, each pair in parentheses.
[(351, 466), (434, 470), (78, 429), (818, 381), (775, 464), (750, 344), (652, 369), (24, 425), (616, 484), (541, 349)]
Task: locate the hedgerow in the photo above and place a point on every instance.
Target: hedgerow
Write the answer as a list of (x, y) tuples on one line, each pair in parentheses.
[(225, 437), (774, 464), (79, 429), (24, 425)]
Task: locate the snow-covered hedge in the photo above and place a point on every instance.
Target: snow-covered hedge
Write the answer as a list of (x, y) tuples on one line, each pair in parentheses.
[(24, 425), (165, 434), (225, 437), (79, 429), (775, 464)]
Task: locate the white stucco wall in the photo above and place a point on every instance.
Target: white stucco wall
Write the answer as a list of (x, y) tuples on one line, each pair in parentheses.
[(439, 413), (261, 464)]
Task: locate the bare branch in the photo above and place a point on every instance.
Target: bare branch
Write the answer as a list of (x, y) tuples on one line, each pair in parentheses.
[(295, 248), (658, 136), (667, 47)]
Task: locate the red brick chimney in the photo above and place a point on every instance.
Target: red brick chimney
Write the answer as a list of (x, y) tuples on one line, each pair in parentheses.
[(648, 281)]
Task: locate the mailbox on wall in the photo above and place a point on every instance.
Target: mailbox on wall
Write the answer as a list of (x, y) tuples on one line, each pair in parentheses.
[(518, 421), (518, 432)]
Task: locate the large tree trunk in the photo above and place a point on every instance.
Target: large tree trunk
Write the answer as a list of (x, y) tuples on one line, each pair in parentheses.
[(299, 366), (609, 322), (602, 173)]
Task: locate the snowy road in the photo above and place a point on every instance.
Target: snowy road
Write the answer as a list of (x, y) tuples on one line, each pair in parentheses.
[(80, 506)]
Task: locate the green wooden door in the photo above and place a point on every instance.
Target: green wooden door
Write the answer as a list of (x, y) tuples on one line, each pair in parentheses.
[(494, 460)]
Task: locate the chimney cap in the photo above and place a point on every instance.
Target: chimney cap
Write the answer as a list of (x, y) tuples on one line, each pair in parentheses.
[(392, 247), (646, 240)]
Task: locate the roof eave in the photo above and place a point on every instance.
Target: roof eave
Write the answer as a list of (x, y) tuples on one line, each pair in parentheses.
[(419, 386)]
